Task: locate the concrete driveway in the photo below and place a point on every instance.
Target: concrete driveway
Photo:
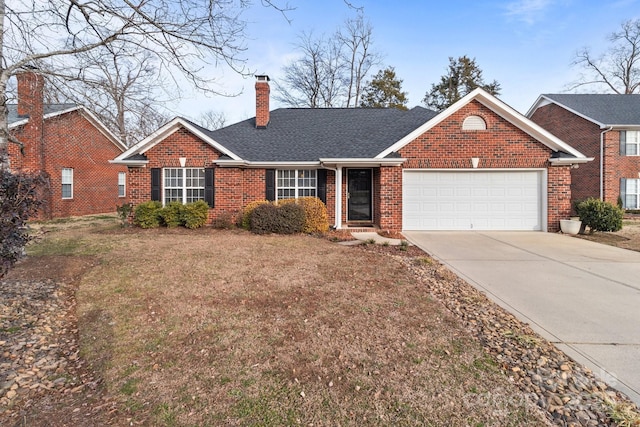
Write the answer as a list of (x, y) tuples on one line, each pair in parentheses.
[(582, 296)]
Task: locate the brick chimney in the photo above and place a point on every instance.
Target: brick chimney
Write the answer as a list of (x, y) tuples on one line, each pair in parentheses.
[(30, 95), (31, 105), (262, 101)]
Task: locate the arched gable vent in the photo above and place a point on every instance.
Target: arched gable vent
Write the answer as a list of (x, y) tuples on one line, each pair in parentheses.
[(474, 123)]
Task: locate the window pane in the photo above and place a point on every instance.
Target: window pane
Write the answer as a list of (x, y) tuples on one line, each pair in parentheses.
[(632, 149), (66, 191)]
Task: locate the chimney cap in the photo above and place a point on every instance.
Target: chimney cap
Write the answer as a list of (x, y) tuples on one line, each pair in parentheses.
[(262, 78)]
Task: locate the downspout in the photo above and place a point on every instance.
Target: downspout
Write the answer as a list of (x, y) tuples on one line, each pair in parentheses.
[(602, 161)]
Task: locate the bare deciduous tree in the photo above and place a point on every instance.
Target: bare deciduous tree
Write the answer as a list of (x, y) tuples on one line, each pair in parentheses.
[(212, 120), (617, 69), (357, 37), (125, 91), (182, 37), (331, 70)]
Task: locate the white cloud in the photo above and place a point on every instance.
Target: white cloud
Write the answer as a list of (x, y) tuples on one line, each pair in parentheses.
[(528, 11)]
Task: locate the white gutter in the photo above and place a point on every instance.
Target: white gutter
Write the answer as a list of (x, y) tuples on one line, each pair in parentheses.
[(262, 165), (132, 163), (602, 161)]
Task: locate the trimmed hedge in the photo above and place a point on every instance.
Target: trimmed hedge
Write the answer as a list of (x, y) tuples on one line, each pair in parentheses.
[(147, 214), (599, 215), (246, 213), (284, 219), (194, 215), (152, 214), (316, 217), (171, 214)]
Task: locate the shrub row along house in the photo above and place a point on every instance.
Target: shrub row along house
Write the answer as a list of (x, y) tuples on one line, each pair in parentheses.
[(478, 165), (605, 127), (71, 147)]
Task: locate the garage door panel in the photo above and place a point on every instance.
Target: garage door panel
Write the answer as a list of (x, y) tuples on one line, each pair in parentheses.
[(478, 200)]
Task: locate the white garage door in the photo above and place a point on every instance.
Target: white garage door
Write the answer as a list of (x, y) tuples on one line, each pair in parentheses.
[(474, 200)]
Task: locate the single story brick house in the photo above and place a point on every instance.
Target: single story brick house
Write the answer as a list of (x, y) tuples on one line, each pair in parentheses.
[(71, 147), (605, 127), (478, 165)]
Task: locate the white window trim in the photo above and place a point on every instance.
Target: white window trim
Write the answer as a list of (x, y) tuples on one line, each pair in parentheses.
[(122, 184), (184, 187), (636, 143), (63, 183), (296, 188), (636, 194)]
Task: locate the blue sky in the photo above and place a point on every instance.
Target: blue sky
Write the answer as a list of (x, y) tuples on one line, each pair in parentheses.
[(526, 45)]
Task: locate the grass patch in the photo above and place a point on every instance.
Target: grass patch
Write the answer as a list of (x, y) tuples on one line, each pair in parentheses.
[(214, 327)]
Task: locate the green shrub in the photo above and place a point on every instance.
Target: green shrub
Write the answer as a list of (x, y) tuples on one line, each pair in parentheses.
[(246, 213), (171, 214), (290, 219), (316, 218), (194, 215), (147, 214), (599, 215), (262, 218)]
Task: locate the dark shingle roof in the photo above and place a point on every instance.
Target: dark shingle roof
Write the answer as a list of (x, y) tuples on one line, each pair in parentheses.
[(607, 109), (310, 134), (48, 109)]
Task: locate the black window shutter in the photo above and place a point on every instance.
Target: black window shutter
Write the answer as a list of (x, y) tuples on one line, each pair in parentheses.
[(156, 177), (209, 188), (623, 142), (322, 185), (270, 184), (623, 192)]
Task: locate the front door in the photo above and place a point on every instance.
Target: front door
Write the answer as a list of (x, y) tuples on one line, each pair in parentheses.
[(359, 195)]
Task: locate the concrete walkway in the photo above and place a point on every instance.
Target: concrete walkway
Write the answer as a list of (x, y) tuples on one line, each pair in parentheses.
[(582, 296), (367, 236)]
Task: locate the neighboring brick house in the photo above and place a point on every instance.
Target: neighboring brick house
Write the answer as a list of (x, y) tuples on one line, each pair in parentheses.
[(477, 165), (605, 127), (71, 147)]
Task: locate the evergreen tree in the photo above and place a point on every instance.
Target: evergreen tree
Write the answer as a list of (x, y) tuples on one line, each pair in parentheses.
[(384, 91), (463, 76)]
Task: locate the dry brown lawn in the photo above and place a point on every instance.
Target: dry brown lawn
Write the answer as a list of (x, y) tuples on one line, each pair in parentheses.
[(627, 238), (211, 327)]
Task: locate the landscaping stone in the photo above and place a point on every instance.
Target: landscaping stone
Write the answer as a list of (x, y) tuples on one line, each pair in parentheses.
[(570, 394)]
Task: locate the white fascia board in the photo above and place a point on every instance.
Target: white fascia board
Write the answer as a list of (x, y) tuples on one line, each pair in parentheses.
[(131, 163), (570, 161), (501, 109), (100, 126), (355, 162), (165, 131)]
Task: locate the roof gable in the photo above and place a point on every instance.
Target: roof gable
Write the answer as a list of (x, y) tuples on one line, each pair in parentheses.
[(134, 156), (55, 110), (502, 110), (605, 110)]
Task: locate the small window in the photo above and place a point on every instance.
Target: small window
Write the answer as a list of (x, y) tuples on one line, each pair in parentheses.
[(474, 123), (632, 143), (632, 194), (122, 184), (67, 183), (291, 184)]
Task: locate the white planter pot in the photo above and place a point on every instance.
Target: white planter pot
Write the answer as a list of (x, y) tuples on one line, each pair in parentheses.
[(570, 226)]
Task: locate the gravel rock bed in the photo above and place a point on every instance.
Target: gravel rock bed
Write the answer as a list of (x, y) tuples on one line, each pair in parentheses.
[(38, 344), (569, 393)]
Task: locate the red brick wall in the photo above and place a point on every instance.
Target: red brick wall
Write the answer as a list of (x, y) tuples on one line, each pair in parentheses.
[(559, 196), (501, 145), (234, 187), (72, 141), (584, 136)]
